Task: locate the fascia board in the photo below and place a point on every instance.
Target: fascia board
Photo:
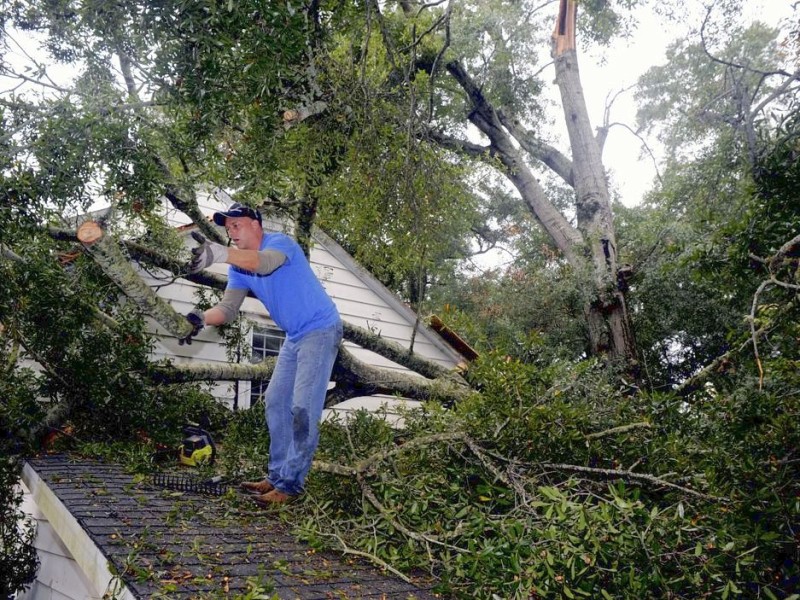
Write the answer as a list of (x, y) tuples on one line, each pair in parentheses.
[(87, 555)]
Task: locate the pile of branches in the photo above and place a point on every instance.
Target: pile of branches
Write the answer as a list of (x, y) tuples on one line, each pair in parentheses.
[(562, 485)]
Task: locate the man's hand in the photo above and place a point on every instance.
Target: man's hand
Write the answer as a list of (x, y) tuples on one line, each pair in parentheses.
[(197, 321), (206, 254)]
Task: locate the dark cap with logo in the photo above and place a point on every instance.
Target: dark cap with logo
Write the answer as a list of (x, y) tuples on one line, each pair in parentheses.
[(236, 210)]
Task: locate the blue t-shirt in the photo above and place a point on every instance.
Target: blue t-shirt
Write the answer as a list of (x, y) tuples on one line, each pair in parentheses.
[(292, 294)]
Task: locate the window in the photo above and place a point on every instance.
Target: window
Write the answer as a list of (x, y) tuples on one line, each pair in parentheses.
[(267, 341)]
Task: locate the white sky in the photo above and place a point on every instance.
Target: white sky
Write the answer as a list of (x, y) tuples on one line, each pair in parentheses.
[(625, 62)]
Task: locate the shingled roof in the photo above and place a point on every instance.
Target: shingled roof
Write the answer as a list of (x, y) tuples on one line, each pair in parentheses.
[(170, 544)]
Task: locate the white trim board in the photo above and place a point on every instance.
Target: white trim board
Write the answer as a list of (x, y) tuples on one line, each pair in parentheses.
[(86, 554)]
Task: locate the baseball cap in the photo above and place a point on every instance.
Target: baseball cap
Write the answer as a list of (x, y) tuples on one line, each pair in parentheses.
[(236, 210)]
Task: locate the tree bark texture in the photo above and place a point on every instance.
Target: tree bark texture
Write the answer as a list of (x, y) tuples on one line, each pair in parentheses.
[(609, 325), (105, 250), (214, 371), (353, 378), (356, 378)]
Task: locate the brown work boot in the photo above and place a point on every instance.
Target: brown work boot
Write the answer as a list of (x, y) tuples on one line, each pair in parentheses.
[(273, 498), (257, 487)]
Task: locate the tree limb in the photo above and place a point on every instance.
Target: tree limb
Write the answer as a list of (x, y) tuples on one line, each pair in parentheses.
[(644, 143), (626, 475), (616, 430), (359, 378), (296, 116), (461, 146), (483, 115), (181, 373), (560, 164), (104, 249), (394, 352)]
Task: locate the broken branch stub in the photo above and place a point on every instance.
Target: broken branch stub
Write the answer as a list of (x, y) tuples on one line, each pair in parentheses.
[(106, 252)]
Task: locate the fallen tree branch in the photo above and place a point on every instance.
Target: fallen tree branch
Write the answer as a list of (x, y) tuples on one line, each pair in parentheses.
[(366, 466), (368, 380), (616, 430), (627, 475), (378, 561), (104, 249), (394, 352), (419, 537), (183, 373), (295, 116), (98, 314)]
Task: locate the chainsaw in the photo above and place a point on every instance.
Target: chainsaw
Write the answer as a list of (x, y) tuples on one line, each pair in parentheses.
[(197, 447)]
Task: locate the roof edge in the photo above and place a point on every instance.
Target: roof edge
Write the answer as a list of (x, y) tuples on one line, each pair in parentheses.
[(385, 293), (84, 551)]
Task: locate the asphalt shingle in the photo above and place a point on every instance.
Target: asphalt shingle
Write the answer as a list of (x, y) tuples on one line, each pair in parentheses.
[(171, 544)]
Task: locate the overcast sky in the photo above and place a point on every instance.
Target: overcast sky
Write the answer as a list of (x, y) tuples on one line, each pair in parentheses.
[(625, 62)]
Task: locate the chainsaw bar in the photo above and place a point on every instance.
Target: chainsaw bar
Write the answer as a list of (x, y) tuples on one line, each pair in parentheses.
[(187, 483)]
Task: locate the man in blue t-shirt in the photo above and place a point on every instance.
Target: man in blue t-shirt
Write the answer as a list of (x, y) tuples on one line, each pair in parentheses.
[(273, 267)]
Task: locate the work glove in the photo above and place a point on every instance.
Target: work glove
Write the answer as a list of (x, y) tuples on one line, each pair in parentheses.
[(197, 321), (206, 254)]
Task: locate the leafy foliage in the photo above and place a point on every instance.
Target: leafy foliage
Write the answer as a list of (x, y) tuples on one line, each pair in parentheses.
[(552, 483), (18, 558), (18, 413)]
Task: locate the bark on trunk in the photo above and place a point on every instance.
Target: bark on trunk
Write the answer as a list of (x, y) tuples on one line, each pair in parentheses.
[(356, 378), (214, 372), (353, 378), (105, 250), (609, 326)]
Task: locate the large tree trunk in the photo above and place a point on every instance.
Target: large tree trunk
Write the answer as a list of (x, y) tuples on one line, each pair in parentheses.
[(609, 325), (590, 248)]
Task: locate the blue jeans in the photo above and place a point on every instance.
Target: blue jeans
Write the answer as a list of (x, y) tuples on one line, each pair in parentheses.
[(295, 398)]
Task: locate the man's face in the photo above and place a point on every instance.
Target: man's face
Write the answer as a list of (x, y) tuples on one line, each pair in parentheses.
[(244, 232)]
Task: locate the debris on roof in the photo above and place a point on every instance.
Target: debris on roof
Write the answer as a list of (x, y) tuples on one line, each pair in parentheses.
[(175, 544)]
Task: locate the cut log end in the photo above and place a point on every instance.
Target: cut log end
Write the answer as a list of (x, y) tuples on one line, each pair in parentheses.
[(89, 233)]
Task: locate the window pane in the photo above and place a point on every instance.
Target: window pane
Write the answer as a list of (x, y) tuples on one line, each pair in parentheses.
[(257, 389), (267, 341)]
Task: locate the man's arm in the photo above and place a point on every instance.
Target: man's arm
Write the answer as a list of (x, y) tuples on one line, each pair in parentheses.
[(223, 312), (262, 262), (227, 309)]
